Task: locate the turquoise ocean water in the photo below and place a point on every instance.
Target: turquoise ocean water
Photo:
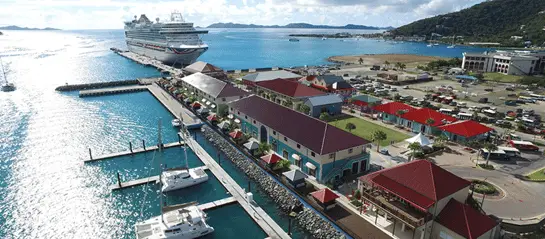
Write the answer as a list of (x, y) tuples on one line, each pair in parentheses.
[(45, 189)]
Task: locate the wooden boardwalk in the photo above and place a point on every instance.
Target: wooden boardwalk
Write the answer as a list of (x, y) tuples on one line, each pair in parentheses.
[(218, 203), (141, 181), (269, 226), (113, 90), (134, 151)]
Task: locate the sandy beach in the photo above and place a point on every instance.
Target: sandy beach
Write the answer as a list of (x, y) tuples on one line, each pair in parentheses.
[(379, 59)]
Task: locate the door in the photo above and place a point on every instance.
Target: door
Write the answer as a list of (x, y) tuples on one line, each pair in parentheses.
[(346, 172), (263, 135), (285, 154), (363, 166), (423, 129), (355, 167)]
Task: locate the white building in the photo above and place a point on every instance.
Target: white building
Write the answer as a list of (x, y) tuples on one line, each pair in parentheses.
[(509, 63)]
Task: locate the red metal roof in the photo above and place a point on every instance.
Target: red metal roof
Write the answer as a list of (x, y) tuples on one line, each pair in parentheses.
[(359, 103), (467, 128), (419, 182), (421, 115), (290, 88), (311, 133), (271, 158), (464, 220), (324, 195), (235, 134), (393, 107)]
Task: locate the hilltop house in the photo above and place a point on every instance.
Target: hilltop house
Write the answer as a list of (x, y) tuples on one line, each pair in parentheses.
[(286, 92), (330, 83), (211, 89), (308, 143), (425, 199)]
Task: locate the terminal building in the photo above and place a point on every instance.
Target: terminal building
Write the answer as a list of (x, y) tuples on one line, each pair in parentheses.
[(505, 62), (308, 143)]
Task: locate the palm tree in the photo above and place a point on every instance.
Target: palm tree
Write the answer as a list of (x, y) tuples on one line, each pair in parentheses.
[(387, 63), (379, 136), (440, 141), (360, 60), (430, 121), (398, 65), (288, 103), (324, 116), (304, 108), (414, 147), (490, 148), (350, 126), (263, 148)]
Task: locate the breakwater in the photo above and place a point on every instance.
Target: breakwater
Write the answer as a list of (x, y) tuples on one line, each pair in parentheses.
[(285, 200), (96, 85)]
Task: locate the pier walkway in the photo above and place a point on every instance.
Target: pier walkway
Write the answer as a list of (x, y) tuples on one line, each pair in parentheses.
[(218, 203), (172, 105), (144, 60), (134, 151), (152, 179), (110, 91), (268, 225)]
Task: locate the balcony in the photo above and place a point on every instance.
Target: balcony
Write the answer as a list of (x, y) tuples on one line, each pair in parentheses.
[(414, 218)]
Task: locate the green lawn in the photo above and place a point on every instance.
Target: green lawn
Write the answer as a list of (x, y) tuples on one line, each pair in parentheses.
[(365, 130), (498, 77), (537, 175)]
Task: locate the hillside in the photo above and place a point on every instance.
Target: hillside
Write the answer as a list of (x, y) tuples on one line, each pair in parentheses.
[(494, 20), (296, 25), (28, 29)]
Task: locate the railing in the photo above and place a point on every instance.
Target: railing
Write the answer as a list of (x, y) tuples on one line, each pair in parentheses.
[(396, 212)]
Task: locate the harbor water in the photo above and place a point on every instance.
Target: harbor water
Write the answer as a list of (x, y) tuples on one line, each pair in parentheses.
[(47, 191)]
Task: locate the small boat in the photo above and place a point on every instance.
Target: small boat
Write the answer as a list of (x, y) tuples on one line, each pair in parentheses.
[(436, 44), (451, 46), (429, 45), (294, 39), (6, 86), (184, 221), (176, 122), (324, 38)]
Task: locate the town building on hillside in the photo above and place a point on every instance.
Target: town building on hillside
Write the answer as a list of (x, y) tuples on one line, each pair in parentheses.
[(317, 148), (206, 87), (505, 62), (331, 104), (251, 79), (205, 68), (286, 92), (330, 83), (464, 131), (421, 199)]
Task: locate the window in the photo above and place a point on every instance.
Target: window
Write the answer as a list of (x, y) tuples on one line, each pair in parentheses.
[(231, 108), (255, 122), (298, 146), (331, 156), (238, 112), (285, 139), (312, 154), (350, 151), (223, 99), (240, 97), (246, 117), (274, 132)]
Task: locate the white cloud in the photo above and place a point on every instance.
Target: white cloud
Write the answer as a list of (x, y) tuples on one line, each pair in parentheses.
[(106, 14)]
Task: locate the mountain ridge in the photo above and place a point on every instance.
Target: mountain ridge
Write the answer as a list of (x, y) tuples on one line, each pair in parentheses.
[(495, 20), (296, 25), (18, 28)]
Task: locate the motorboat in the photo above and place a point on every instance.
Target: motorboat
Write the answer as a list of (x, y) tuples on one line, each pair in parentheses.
[(323, 38), (293, 39), (176, 122), (178, 178), (429, 45), (184, 221), (436, 44), (451, 46)]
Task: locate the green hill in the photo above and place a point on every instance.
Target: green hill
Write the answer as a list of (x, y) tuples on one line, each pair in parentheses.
[(493, 20)]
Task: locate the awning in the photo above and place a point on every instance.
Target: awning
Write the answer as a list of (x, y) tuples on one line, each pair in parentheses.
[(251, 145), (212, 117), (271, 158), (235, 134), (224, 125), (420, 139), (310, 165)]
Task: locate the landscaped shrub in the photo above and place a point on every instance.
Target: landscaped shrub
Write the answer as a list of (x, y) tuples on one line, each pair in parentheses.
[(484, 187), (488, 167)]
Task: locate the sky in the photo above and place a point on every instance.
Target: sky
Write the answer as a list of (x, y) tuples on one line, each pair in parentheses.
[(110, 14)]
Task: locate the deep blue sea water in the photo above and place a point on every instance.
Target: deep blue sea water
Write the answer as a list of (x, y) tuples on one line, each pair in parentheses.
[(45, 189)]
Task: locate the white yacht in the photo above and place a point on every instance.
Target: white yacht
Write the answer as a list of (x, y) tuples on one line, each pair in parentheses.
[(184, 221), (174, 179), (176, 122), (451, 46), (429, 45)]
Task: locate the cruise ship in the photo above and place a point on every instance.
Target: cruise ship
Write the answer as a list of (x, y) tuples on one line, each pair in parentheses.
[(174, 42)]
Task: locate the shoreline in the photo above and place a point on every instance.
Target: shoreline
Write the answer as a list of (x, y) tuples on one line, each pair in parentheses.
[(379, 59)]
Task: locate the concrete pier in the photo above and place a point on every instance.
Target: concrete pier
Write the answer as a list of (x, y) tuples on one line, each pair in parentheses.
[(134, 151), (218, 203), (111, 91), (152, 179), (147, 61), (269, 226)]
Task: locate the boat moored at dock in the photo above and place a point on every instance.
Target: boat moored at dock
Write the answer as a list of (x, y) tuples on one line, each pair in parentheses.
[(178, 178)]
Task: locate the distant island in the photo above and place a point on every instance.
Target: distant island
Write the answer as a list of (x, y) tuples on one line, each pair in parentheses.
[(297, 25), (17, 28)]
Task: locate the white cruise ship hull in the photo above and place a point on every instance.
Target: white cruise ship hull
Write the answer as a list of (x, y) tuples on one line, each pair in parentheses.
[(169, 55)]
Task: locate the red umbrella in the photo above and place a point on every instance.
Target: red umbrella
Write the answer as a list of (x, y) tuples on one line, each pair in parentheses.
[(196, 105), (212, 117), (235, 134), (271, 158)]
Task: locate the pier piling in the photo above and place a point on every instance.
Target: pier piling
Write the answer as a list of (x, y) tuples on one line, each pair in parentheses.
[(249, 186), (130, 147), (219, 159), (144, 144), (179, 138), (118, 180), (90, 155)]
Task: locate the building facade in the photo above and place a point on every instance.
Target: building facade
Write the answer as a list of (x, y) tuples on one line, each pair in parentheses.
[(250, 80), (202, 86), (310, 144), (286, 92), (331, 84), (509, 63), (330, 104)]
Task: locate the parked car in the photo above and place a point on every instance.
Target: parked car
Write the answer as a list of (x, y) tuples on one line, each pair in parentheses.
[(511, 103), (483, 100), (509, 89), (489, 89)]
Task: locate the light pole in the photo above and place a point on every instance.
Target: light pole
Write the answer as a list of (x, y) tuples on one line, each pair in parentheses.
[(484, 195)]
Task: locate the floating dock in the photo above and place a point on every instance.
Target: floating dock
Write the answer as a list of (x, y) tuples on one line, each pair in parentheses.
[(134, 151), (204, 207), (141, 181), (111, 91)]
